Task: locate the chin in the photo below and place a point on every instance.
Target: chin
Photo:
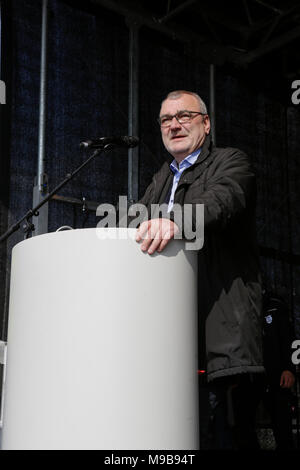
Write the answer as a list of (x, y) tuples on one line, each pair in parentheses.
[(178, 148), (182, 153)]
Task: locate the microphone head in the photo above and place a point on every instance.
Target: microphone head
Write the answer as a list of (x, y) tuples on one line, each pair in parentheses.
[(86, 144), (123, 141), (130, 141)]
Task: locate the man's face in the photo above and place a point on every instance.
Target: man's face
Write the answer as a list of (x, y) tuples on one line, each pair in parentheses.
[(182, 139)]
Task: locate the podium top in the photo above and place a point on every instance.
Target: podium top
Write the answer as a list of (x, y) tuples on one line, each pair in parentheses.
[(94, 235)]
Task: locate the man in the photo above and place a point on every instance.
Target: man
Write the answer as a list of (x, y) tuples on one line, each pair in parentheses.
[(280, 371), (229, 281)]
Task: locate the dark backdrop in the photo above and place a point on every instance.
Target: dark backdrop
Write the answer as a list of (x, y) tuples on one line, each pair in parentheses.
[(88, 97)]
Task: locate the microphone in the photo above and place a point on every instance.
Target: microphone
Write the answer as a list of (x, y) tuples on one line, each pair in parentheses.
[(121, 141)]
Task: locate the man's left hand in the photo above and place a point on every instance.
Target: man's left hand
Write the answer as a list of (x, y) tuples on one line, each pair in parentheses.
[(156, 234)]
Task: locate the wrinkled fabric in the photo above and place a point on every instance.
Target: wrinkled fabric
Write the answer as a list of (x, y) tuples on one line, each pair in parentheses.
[(230, 298)]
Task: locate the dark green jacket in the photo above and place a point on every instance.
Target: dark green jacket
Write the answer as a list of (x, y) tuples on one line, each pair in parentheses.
[(230, 299)]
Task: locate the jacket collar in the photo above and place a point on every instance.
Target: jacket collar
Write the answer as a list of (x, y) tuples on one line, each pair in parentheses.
[(163, 179), (205, 151), (193, 171), (205, 158)]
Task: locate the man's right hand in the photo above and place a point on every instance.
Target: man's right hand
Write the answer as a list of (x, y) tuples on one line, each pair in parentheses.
[(156, 234)]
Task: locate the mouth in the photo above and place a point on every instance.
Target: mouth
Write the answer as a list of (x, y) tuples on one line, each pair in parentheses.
[(178, 137)]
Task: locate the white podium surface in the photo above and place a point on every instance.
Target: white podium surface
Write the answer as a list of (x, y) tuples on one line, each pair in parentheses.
[(102, 344)]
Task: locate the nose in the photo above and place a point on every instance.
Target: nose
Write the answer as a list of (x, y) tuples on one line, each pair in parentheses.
[(174, 123)]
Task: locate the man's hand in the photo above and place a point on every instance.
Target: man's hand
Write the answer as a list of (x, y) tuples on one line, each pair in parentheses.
[(287, 379), (156, 234)]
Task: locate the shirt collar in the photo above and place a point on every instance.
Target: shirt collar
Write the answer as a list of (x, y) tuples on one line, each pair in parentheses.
[(187, 162)]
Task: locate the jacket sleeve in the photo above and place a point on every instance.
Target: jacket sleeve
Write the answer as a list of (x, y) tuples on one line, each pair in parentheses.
[(229, 190), (147, 197), (139, 211)]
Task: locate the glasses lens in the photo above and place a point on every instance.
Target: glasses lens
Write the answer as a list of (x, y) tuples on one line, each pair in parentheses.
[(165, 121), (184, 116), (181, 116)]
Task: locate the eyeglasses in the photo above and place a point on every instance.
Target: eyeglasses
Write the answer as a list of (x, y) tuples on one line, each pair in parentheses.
[(182, 117)]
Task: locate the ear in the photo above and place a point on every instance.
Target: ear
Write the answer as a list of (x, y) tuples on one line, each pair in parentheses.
[(206, 122)]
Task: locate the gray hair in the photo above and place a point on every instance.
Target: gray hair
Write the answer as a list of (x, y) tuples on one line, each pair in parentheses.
[(173, 95)]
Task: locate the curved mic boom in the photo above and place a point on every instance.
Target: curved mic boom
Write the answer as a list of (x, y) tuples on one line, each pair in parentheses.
[(121, 141)]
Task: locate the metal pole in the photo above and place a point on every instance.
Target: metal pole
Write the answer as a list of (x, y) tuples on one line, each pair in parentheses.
[(5, 154), (40, 188), (177, 10), (212, 103), (1, 7), (43, 96), (133, 110)]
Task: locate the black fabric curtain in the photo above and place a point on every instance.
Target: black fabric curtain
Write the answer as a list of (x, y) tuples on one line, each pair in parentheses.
[(87, 96)]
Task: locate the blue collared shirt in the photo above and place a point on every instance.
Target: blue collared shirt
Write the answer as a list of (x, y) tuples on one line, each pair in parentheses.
[(186, 163)]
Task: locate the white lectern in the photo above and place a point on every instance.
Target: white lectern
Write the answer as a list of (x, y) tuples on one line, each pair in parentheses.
[(101, 344)]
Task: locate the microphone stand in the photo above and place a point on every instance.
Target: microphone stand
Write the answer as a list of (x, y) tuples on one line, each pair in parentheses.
[(28, 227)]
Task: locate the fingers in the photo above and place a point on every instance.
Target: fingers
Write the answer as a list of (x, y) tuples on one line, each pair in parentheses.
[(156, 234), (142, 230), (282, 382), (289, 382), (154, 238), (150, 233), (287, 379), (154, 246)]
